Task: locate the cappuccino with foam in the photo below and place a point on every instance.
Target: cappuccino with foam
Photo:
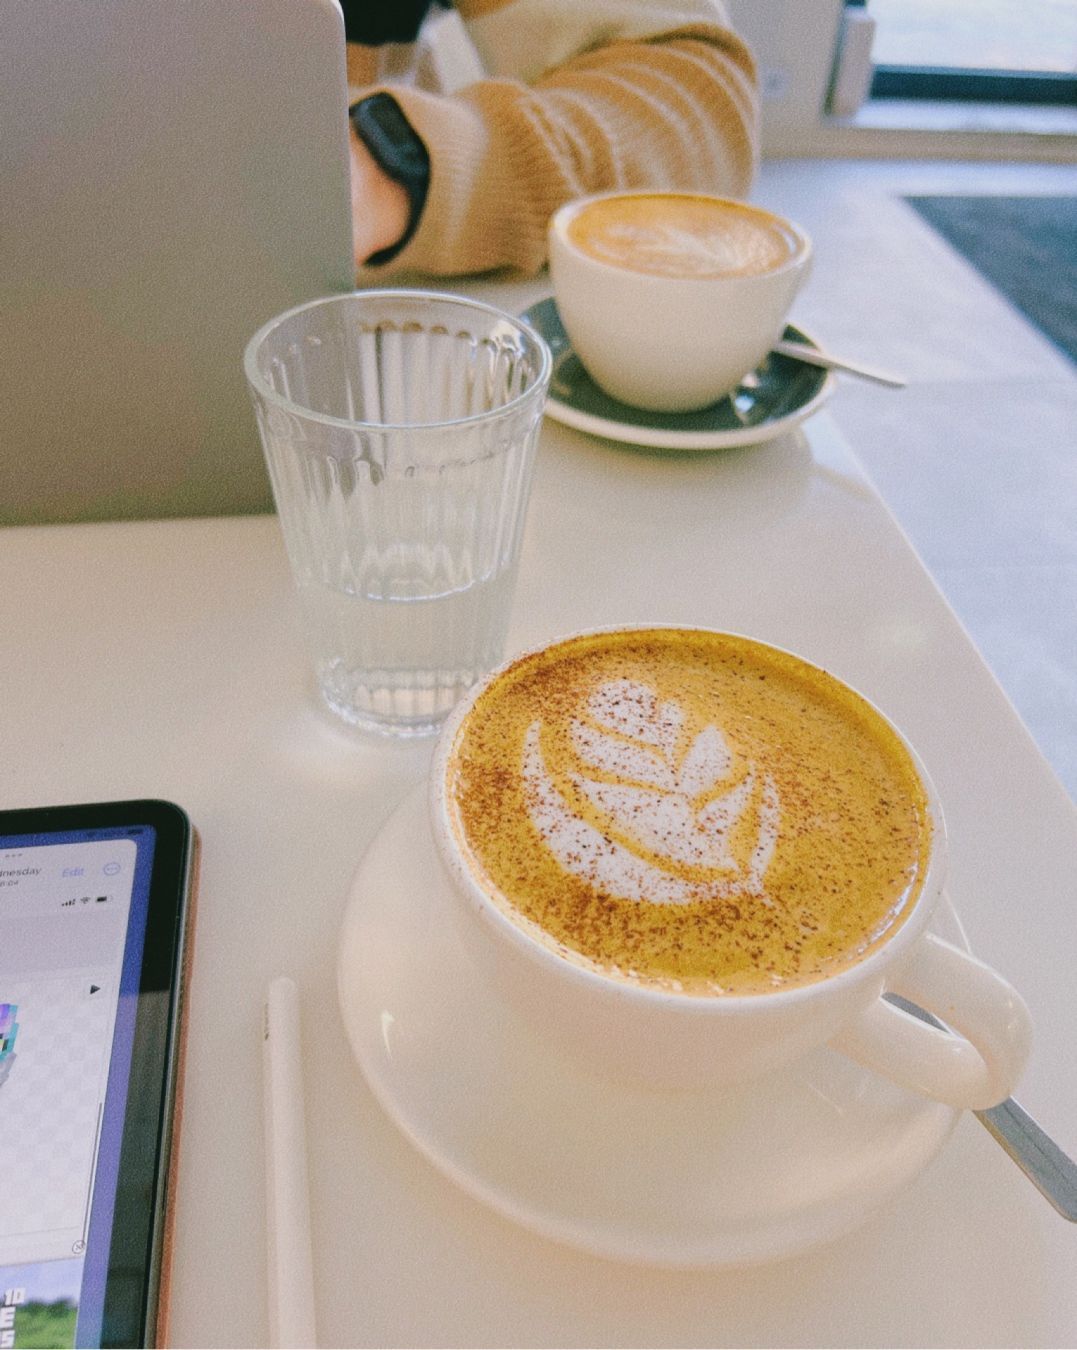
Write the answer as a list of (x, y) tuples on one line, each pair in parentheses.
[(678, 235), (671, 298), (688, 810)]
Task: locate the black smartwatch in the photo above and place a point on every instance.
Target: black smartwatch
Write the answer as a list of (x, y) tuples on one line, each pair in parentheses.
[(387, 134)]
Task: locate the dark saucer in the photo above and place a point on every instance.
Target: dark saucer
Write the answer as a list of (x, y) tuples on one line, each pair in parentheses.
[(771, 400)]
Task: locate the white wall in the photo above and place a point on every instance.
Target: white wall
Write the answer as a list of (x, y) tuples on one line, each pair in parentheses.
[(794, 43)]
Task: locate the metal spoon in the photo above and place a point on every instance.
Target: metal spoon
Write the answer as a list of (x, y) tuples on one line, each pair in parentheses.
[(1049, 1169), (812, 356)]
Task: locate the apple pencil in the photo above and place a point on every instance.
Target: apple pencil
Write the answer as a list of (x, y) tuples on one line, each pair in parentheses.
[(291, 1264)]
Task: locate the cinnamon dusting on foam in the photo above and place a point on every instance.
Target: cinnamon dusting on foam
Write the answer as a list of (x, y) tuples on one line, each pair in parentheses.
[(688, 810)]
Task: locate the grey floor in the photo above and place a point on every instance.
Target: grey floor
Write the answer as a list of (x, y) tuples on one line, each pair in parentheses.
[(977, 458)]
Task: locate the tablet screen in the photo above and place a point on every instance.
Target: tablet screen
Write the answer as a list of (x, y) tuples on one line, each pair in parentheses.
[(74, 911)]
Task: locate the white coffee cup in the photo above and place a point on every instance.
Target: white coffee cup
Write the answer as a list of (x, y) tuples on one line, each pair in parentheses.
[(682, 1040), (668, 318)]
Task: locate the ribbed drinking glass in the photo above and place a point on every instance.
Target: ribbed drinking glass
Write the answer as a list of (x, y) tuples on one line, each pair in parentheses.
[(399, 429)]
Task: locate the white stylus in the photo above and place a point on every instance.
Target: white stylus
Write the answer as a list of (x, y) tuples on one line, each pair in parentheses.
[(291, 1263)]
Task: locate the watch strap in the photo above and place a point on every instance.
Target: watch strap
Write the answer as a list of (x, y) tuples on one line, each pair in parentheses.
[(395, 147)]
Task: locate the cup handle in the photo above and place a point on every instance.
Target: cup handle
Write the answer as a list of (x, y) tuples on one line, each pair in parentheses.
[(975, 1069)]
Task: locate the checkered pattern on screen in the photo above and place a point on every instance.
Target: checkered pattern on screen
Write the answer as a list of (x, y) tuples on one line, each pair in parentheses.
[(48, 1105)]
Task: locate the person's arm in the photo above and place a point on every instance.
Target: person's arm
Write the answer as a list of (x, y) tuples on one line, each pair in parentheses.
[(582, 98), (381, 206)]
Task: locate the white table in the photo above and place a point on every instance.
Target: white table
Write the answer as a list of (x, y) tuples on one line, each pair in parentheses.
[(164, 659)]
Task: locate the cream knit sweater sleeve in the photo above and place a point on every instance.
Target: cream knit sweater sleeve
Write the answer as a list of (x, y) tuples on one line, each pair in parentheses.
[(579, 96)]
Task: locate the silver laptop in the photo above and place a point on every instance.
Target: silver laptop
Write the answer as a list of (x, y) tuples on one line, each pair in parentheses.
[(172, 174)]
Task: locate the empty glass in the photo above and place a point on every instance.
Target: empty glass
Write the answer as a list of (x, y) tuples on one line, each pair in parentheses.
[(399, 428)]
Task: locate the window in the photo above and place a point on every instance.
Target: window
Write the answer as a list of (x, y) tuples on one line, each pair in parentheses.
[(992, 51)]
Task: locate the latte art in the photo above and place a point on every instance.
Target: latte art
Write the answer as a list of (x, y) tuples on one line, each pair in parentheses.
[(680, 235), (687, 809), (668, 298), (658, 830)]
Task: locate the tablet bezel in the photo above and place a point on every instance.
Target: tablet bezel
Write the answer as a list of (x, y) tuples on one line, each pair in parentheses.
[(132, 1312)]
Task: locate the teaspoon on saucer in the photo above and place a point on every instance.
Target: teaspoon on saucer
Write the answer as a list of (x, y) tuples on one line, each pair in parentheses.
[(812, 356), (1037, 1155)]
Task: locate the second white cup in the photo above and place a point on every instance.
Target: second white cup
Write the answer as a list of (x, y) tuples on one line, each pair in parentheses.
[(671, 298)]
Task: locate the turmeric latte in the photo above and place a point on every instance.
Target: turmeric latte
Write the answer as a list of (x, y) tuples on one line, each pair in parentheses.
[(688, 810)]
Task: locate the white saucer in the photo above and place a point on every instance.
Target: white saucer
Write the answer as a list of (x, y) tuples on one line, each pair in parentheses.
[(711, 1177), (776, 397)]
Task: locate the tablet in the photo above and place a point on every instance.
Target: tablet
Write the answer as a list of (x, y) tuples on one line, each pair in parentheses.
[(93, 924)]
